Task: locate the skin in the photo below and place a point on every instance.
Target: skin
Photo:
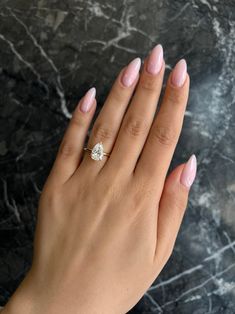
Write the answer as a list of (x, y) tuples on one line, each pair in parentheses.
[(106, 229)]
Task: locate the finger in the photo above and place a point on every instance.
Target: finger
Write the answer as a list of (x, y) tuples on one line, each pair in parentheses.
[(71, 148), (140, 114), (172, 207), (164, 134), (108, 122)]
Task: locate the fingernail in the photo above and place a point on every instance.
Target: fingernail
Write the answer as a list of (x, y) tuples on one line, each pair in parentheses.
[(88, 100), (179, 73), (155, 60), (131, 72), (189, 172)]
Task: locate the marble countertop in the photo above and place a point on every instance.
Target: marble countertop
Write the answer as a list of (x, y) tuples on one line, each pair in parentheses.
[(51, 52)]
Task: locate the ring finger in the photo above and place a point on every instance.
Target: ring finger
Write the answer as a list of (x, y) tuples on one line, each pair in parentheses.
[(107, 123)]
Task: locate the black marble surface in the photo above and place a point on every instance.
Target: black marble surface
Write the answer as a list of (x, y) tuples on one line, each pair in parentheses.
[(51, 52)]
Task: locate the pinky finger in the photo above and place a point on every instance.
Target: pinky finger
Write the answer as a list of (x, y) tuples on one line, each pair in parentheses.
[(172, 207), (71, 148)]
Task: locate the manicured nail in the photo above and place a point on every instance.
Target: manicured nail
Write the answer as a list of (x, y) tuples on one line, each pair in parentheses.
[(131, 72), (155, 60), (88, 100), (179, 73), (189, 172)]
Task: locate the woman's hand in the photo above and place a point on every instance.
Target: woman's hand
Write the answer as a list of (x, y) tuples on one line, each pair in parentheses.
[(106, 228)]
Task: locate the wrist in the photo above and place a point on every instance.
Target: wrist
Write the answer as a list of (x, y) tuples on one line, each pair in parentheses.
[(26, 300)]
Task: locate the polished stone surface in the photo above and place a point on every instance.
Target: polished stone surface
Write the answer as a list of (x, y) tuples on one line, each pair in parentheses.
[(51, 52)]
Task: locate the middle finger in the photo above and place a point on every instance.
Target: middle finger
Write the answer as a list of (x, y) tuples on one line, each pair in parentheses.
[(140, 114)]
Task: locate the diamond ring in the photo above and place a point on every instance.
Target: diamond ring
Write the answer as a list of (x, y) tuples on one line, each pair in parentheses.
[(97, 152)]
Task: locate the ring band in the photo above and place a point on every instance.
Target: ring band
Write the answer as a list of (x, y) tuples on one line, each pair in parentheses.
[(97, 152)]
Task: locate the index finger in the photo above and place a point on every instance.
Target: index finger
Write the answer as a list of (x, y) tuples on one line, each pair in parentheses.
[(160, 145)]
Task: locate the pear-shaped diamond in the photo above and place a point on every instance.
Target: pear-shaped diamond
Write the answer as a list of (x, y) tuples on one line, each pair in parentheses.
[(97, 152)]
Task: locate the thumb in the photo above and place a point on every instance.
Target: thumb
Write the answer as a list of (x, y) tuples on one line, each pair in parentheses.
[(172, 206)]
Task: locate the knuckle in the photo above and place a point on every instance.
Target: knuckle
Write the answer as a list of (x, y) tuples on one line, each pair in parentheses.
[(102, 132), (174, 97), (177, 198), (113, 190), (165, 135), (118, 94), (144, 189), (180, 203), (135, 126), (148, 84), (50, 200), (76, 120), (67, 149)]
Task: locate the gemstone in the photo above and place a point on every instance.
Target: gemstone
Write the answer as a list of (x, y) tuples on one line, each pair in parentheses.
[(97, 152)]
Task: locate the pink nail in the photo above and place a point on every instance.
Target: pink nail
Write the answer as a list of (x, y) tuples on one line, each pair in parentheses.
[(179, 73), (189, 172), (88, 100), (155, 60), (131, 72)]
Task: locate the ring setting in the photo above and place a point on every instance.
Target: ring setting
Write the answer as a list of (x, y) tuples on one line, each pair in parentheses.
[(97, 152)]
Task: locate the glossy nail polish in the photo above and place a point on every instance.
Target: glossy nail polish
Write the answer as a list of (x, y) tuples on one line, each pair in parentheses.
[(155, 60), (131, 72), (189, 172), (179, 73), (88, 100)]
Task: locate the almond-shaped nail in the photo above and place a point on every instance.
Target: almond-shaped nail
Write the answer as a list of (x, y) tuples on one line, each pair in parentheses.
[(155, 60), (88, 100), (131, 72), (179, 73), (189, 172)]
